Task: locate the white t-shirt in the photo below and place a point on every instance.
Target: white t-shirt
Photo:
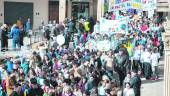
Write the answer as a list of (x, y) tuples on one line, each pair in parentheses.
[(154, 59), (3, 74), (101, 91), (137, 54), (146, 57), (128, 92)]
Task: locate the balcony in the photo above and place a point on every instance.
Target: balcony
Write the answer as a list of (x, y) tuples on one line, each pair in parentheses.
[(162, 1), (163, 6)]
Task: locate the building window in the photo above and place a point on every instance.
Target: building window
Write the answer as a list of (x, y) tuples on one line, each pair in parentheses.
[(80, 9)]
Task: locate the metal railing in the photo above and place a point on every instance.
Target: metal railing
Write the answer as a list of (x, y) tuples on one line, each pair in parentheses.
[(35, 36)]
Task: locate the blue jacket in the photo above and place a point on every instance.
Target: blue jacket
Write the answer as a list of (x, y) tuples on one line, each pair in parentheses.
[(70, 26), (9, 66), (15, 33)]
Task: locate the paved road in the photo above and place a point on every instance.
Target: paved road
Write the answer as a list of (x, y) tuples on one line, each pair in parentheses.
[(24, 49), (153, 88)]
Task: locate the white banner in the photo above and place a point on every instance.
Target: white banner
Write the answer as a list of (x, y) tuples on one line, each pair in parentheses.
[(113, 26), (149, 5)]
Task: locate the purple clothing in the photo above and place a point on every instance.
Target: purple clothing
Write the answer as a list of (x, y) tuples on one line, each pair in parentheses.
[(82, 87), (56, 66)]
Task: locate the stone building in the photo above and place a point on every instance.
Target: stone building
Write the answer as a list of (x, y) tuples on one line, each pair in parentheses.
[(163, 8), (47, 10)]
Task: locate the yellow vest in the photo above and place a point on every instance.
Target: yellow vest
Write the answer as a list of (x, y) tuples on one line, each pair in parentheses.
[(86, 26)]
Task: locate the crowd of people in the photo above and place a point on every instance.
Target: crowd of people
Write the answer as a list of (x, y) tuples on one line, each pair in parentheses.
[(53, 70)]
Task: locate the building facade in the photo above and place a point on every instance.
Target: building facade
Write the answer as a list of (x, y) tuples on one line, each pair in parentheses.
[(36, 10), (163, 7), (43, 11)]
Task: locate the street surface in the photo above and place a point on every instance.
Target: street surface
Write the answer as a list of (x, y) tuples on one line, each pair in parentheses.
[(153, 88), (24, 49)]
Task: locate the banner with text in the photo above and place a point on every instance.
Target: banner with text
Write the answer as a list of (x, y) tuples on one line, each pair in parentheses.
[(125, 4), (112, 26)]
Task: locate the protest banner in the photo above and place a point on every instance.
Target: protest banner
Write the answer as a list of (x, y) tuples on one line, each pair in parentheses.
[(149, 5), (107, 26), (112, 26), (106, 47), (125, 4)]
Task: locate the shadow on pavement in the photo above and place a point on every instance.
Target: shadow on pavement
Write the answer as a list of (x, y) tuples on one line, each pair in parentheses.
[(151, 81)]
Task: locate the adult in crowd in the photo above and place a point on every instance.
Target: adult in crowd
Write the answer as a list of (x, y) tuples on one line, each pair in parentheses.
[(22, 33), (121, 63), (28, 27), (15, 34), (135, 83), (147, 63), (155, 56), (4, 37), (91, 25), (71, 28)]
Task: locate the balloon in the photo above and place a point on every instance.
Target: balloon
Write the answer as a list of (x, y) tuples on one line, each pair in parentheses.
[(60, 40)]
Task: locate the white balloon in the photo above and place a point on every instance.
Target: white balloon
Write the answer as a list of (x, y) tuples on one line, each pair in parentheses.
[(60, 40)]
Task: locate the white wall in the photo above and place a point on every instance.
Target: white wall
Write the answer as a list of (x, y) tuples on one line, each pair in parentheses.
[(62, 10), (69, 9), (40, 6), (91, 4)]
